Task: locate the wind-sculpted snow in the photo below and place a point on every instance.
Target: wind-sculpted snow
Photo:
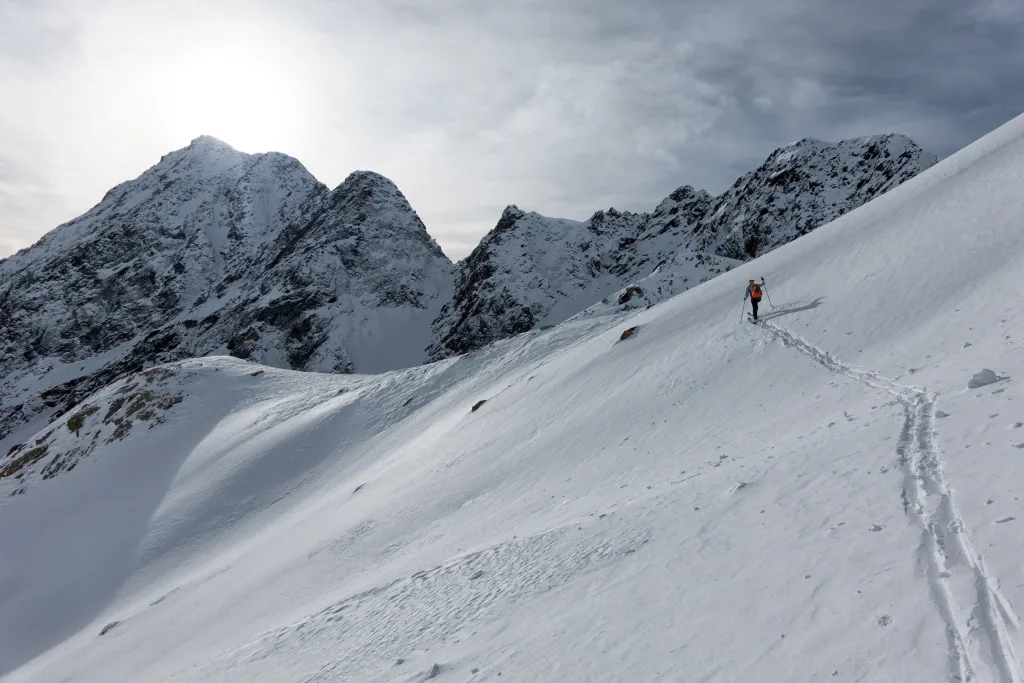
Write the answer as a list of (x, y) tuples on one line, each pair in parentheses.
[(215, 251), (531, 270)]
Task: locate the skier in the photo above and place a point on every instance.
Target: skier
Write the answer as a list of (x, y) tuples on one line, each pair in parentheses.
[(753, 292)]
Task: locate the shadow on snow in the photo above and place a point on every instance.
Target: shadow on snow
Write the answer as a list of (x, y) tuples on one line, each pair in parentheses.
[(778, 312)]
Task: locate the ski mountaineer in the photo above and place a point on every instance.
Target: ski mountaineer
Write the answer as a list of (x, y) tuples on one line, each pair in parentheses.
[(753, 292)]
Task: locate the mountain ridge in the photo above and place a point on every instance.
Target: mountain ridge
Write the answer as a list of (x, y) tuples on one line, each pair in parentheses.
[(212, 250), (798, 188)]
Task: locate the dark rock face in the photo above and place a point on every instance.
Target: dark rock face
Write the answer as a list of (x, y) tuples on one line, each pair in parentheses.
[(215, 251)]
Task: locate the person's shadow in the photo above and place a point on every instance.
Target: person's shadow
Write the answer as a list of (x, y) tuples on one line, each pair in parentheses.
[(788, 311)]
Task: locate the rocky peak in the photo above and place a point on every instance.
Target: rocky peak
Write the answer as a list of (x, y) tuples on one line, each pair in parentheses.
[(802, 186), (216, 251)]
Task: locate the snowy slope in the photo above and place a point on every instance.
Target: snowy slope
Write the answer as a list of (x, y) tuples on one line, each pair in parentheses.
[(819, 498), (216, 251), (532, 270)]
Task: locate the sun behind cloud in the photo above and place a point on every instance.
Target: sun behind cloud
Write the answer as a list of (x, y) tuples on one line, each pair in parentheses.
[(242, 91)]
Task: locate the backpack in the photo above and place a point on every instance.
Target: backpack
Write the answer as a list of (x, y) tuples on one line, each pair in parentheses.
[(756, 291)]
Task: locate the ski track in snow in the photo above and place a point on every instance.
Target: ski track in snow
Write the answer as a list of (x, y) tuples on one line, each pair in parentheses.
[(981, 649)]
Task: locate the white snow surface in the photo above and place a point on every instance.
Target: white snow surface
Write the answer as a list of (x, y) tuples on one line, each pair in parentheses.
[(818, 497)]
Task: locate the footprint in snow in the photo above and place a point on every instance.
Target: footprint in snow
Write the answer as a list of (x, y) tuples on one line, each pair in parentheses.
[(876, 527), (941, 414), (1004, 520)]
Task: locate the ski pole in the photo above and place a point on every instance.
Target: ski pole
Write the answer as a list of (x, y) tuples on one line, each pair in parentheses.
[(766, 293), (743, 308)]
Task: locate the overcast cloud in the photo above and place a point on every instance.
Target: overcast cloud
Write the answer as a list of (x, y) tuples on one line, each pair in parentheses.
[(563, 107)]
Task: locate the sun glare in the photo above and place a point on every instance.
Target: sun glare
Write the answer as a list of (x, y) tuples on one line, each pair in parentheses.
[(241, 93)]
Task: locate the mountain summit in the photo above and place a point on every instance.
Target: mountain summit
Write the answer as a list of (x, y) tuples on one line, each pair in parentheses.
[(217, 251)]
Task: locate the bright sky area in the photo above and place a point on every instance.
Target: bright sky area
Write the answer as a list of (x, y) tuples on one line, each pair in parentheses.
[(563, 108)]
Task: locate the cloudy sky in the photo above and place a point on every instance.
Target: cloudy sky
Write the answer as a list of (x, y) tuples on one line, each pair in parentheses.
[(559, 106)]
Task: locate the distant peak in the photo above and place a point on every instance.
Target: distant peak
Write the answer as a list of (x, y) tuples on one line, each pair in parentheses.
[(369, 178), (883, 138), (210, 142), (808, 142), (205, 149), (686, 192), (509, 217)]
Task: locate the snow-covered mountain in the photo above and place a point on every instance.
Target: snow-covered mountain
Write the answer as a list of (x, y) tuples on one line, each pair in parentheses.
[(800, 187), (832, 495), (531, 270), (216, 251)]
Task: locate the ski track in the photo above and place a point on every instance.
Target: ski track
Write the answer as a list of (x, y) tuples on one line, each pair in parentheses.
[(980, 650)]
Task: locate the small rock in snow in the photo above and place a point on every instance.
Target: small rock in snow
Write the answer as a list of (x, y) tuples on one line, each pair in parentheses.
[(627, 334), (1005, 519), (109, 626), (434, 671), (982, 378)]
